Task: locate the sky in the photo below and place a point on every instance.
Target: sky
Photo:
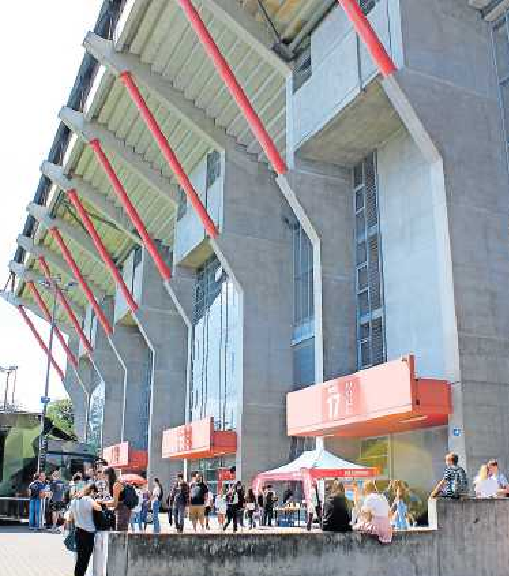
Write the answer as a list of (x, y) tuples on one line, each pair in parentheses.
[(41, 51)]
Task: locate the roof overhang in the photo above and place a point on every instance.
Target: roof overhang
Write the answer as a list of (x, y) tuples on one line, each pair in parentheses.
[(380, 400)]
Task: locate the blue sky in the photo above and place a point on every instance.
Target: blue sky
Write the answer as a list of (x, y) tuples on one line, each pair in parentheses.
[(41, 48)]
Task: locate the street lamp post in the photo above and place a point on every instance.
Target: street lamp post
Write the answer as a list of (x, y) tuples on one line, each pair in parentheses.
[(52, 284)]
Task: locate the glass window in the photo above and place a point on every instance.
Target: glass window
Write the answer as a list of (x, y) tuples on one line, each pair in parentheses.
[(370, 338), (181, 203), (375, 452), (213, 167), (96, 416), (213, 377)]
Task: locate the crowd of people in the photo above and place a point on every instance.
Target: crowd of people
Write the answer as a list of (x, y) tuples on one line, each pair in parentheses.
[(97, 500)]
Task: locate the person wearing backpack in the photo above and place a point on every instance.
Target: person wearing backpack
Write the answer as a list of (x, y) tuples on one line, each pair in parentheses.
[(124, 500), (454, 481), (34, 491), (180, 494), (197, 496), (157, 496)]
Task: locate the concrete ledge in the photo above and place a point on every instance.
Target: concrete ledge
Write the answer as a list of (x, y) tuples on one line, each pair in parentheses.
[(471, 540)]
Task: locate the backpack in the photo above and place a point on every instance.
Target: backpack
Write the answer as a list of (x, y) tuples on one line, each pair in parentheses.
[(130, 497), (104, 520), (35, 490)]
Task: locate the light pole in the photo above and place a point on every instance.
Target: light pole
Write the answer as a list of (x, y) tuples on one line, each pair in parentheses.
[(52, 284), (8, 371)]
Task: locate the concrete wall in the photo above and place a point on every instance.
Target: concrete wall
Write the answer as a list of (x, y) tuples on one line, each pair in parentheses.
[(470, 540), (449, 79), (255, 248), (340, 68), (165, 333), (410, 256)]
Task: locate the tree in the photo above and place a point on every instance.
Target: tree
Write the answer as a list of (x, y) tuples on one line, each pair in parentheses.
[(61, 413)]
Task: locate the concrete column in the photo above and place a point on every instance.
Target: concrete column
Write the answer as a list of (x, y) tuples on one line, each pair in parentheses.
[(166, 334), (325, 196), (78, 395), (255, 248), (113, 373), (449, 103)]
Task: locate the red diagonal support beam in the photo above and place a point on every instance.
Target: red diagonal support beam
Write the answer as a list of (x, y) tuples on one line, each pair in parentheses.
[(47, 314), (369, 37), (150, 245), (40, 341), (168, 154), (82, 282), (101, 248), (234, 87), (66, 306)]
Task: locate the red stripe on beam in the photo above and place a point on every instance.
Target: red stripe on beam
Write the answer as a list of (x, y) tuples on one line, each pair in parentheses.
[(47, 315), (40, 341), (234, 87), (150, 245), (101, 248), (169, 155), (70, 313), (79, 277), (371, 40)]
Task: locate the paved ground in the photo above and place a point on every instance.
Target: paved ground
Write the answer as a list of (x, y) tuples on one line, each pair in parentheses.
[(25, 553)]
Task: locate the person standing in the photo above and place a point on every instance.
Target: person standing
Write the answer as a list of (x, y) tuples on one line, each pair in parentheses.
[(122, 511), (197, 495), (145, 506), (136, 515), (81, 512), (231, 508), (57, 502), (34, 493), (261, 501), (251, 507), (157, 496), (221, 509), (180, 501), (268, 506), (209, 506), (241, 502), (169, 506), (44, 497)]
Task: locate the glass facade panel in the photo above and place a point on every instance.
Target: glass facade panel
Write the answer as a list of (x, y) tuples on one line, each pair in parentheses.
[(215, 320), (370, 323), (96, 416)]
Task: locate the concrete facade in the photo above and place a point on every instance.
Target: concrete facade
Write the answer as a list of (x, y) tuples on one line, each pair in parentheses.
[(435, 130)]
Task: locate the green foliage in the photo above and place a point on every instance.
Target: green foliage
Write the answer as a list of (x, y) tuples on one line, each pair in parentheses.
[(61, 413)]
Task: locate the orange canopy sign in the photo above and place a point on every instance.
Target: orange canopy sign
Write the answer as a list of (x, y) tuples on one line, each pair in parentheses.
[(198, 440), (123, 456), (381, 400)]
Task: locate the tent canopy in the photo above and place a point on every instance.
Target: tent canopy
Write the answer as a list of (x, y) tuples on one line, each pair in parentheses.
[(314, 464)]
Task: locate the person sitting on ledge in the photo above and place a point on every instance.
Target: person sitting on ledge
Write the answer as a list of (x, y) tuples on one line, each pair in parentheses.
[(454, 482), (375, 512), (486, 486), (336, 517)]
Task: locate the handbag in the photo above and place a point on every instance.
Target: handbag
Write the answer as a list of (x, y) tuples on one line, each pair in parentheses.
[(70, 539)]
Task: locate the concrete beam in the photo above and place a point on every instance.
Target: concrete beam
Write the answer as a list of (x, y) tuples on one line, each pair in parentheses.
[(249, 30), (203, 126), (89, 131), (99, 201), (33, 276), (78, 236), (16, 301), (56, 261)]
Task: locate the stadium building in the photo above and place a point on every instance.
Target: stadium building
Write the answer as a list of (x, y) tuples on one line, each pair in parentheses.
[(289, 222)]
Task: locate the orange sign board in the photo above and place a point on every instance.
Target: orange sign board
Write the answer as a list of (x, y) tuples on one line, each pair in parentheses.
[(123, 456), (380, 400), (198, 440)]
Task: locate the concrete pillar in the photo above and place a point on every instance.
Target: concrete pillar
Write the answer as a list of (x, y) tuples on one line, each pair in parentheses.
[(325, 195), (453, 114), (113, 373), (255, 248), (78, 395), (166, 334)]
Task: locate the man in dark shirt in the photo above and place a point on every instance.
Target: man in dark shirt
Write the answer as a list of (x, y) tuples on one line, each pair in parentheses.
[(454, 482), (180, 495), (34, 492), (57, 502), (197, 495)]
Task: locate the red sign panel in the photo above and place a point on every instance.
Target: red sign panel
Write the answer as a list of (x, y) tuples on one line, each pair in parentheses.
[(198, 440)]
